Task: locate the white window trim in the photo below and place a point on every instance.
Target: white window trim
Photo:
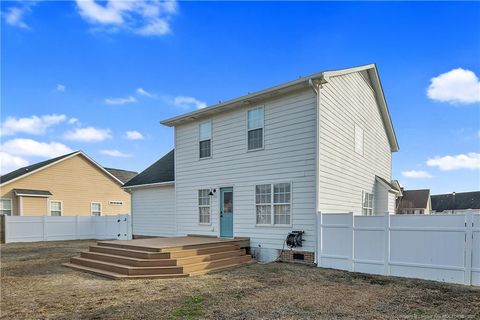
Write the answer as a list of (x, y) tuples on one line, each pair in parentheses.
[(11, 204), (211, 140), (272, 209), (204, 206), (262, 127), (91, 208), (368, 208), (50, 207)]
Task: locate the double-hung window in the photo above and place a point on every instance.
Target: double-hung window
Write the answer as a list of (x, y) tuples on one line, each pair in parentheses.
[(56, 208), (6, 207), (96, 209), (255, 128), (204, 207), (273, 204), (367, 203), (205, 141)]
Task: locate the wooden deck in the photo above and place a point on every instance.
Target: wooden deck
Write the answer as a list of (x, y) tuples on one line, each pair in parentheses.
[(162, 257)]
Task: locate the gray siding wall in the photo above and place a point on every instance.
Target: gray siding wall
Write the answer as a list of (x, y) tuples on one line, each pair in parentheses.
[(288, 156), (153, 211), (343, 174)]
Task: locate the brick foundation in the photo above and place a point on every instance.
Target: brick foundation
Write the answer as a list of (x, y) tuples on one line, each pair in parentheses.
[(298, 257)]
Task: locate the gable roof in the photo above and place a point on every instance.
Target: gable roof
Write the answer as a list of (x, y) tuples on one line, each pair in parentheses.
[(303, 82), (122, 175), (24, 171), (413, 199), (456, 201), (391, 186), (161, 172)]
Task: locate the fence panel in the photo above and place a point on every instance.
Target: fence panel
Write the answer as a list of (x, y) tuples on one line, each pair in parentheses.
[(47, 228), (434, 247)]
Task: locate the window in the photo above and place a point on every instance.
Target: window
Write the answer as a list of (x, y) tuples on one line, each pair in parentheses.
[(358, 140), (367, 204), (273, 207), (115, 203), (205, 141), (204, 208), (96, 209), (56, 208), (255, 129), (6, 207)]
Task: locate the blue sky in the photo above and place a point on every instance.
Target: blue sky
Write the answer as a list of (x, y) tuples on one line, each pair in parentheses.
[(82, 75)]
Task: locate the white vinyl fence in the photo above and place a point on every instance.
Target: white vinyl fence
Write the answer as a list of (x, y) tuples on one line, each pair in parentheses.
[(47, 228), (433, 247)]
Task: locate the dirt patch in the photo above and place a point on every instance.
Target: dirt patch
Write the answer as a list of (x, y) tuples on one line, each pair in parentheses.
[(34, 285)]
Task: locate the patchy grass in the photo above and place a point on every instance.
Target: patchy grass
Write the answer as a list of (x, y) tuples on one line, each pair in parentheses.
[(34, 285)]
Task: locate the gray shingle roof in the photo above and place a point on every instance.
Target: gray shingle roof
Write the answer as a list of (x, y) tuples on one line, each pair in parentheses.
[(413, 199), (162, 170), (122, 175), (459, 201), (32, 192), (20, 172)]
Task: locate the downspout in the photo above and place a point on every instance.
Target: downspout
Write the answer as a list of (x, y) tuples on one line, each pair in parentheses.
[(316, 85)]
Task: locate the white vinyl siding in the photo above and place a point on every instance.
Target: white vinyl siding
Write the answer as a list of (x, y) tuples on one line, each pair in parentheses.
[(96, 209), (288, 155), (343, 174), (56, 208), (358, 140), (205, 140), (255, 123), (6, 206), (204, 207), (153, 211)]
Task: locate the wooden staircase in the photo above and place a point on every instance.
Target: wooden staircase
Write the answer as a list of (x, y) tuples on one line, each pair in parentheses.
[(119, 260)]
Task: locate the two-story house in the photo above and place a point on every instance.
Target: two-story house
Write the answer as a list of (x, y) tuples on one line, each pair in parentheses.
[(265, 164)]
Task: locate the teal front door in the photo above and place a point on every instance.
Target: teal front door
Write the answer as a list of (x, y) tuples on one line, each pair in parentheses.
[(226, 212)]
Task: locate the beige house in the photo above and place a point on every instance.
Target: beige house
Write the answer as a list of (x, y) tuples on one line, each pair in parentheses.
[(69, 185)]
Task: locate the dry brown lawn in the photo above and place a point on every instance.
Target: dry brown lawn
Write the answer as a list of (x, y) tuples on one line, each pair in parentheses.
[(34, 285)]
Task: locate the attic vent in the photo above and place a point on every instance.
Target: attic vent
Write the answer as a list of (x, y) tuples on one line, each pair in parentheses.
[(116, 203)]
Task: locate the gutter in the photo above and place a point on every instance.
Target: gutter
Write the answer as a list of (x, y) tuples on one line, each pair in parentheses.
[(159, 184)]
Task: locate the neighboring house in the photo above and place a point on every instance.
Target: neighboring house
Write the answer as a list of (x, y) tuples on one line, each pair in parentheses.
[(264, 164), (414, 202), (456, 202), (69, 185)]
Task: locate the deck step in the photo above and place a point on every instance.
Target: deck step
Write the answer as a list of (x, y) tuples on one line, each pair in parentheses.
[(140, 254), (215, 264), (118, 276), (222, 268), (127, 246), (203, 251), (128, 261), (123, 269)]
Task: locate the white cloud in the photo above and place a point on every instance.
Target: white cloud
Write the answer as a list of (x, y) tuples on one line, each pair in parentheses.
[(29, 147), (416, 174), (118, 101), (73, 121), (10, 162), (115, 153), (147, 18), (32, 125), (188, 103), (15, 15), (458, 86), (133, 135), (60, 88), (461, 161), (88, 134), (145, 93)]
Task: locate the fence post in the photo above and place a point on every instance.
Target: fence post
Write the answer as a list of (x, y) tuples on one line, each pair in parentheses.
[(320, 239), (76, 227), (352, 232), (468, 247), (5, 230), (44, 227), (386, 232)]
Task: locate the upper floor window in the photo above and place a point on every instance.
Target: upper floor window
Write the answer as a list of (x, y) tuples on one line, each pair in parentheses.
[(359, 140), (255, 128), (205, 141), (96, 209), (6, 207), (367, 204), (56, 208)]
